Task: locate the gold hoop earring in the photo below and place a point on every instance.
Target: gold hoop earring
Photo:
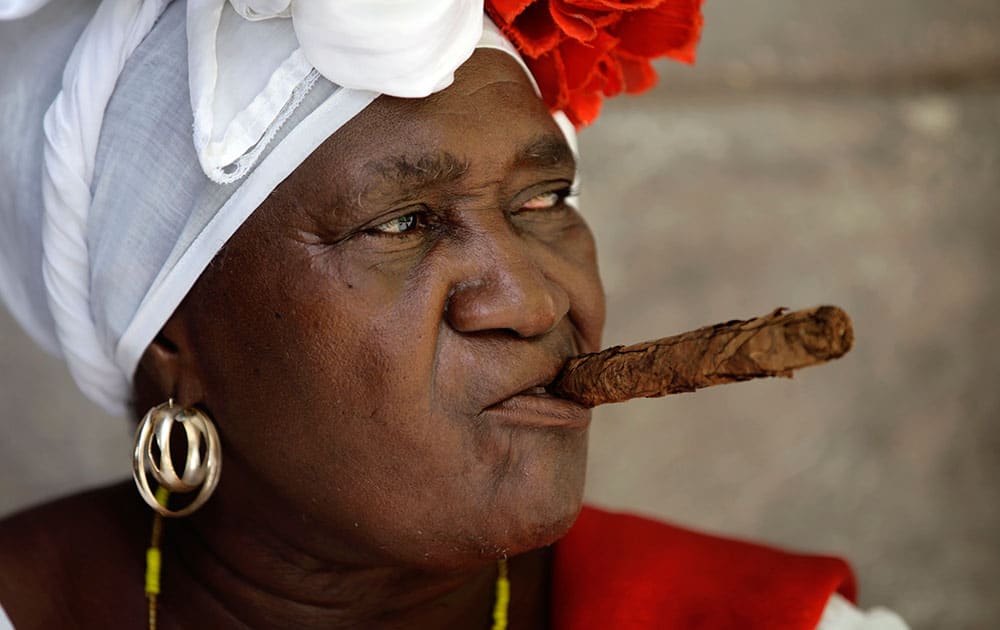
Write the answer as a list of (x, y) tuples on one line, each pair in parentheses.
[(203, 461)]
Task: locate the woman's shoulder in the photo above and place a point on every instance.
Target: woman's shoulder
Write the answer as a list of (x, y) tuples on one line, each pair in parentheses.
[(73, 527), (66, 562), (641, 569), (650, 545)]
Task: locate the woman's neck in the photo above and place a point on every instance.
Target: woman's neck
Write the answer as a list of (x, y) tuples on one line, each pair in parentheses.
[(224, 572)]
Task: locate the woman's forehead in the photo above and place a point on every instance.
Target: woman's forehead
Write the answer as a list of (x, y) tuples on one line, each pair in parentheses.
[(489, 118), (490, 88)]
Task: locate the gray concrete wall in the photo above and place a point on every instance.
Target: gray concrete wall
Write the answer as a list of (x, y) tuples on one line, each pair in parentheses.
[(821, 152)]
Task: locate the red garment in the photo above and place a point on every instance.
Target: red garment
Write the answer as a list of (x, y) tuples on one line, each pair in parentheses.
[(623, 572)]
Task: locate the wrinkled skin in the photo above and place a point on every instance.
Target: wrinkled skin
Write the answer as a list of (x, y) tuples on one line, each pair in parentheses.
[(351, 367), (352, 371)]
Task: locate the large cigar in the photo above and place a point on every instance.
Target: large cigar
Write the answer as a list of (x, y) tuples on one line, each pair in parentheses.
[(738, 350)]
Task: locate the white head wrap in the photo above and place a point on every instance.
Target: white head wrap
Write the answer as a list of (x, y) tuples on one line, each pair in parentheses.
[(109, 211)]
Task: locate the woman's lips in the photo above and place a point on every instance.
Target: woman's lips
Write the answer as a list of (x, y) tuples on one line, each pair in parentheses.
[(534, 407)]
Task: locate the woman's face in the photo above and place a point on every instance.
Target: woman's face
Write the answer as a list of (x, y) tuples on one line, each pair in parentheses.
[(363, 339)]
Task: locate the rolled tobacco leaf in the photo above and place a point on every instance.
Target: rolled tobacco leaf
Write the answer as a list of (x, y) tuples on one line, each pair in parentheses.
[(738, 350)]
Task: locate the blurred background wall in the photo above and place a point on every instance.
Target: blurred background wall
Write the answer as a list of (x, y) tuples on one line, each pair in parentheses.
[(821, 152)]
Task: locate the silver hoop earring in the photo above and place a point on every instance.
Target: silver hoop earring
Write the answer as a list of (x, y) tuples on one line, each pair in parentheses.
[(202, 464)]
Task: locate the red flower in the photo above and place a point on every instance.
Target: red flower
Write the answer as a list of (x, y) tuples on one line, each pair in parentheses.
[(580, 51)]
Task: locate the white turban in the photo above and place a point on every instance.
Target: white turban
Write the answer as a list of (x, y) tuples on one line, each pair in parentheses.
[(110, 208)]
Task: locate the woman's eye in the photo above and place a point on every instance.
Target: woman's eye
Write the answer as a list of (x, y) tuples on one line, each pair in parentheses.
[(398, 225), (551, 200), (544, 201)]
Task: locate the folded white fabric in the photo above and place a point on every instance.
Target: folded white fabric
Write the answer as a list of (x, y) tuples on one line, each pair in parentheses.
[(115, 198), (841, 614), (241, 92), (15, 9)]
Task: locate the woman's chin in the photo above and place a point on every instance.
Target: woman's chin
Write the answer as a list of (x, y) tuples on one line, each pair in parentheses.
[(526, 499), (506, 535), (539, 499), (531, 512), (539, 529)]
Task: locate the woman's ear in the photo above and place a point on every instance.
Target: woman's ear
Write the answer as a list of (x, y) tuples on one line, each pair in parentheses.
[(167, 370)]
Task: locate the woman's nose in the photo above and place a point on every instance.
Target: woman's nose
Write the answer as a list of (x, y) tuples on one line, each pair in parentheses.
[(509, 291)]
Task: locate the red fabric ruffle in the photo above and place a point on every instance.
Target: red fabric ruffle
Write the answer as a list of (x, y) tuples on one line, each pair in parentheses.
[(581, 51), (630, 573)]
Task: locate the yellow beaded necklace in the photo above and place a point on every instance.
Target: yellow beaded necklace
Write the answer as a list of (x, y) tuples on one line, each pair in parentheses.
[(153, 565), (502, 601)]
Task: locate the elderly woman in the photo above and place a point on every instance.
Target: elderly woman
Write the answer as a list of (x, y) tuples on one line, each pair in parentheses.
[(352, 283)]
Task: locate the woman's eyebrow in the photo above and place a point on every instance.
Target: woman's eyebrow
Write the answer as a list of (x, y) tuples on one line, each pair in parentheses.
[(434, 169), (545, 151), (411, 173), (421, 171)]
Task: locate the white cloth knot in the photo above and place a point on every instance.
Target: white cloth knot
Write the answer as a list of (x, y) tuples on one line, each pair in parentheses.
[(262, 9), (242, 92)]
